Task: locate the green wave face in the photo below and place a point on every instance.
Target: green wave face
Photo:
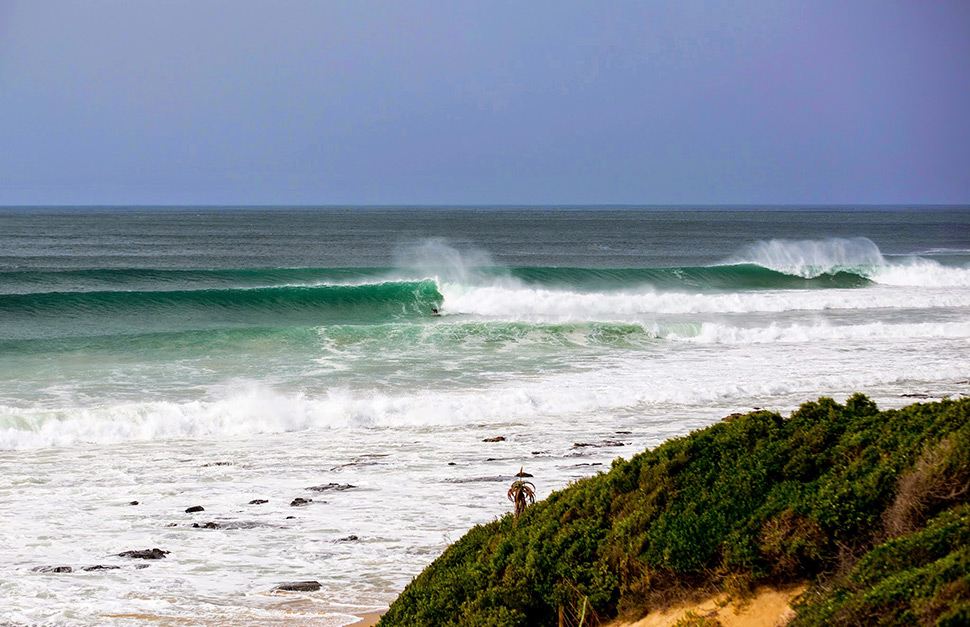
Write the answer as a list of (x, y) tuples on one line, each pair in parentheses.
[(78, 303), (738, 277), (57, 314)]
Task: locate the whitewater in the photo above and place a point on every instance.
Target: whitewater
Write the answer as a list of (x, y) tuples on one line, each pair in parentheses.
[(152, 360)]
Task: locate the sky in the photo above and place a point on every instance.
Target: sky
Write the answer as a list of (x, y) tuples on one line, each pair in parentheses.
[(246, 102)]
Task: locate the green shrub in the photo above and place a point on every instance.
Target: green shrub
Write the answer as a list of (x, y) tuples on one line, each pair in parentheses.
[(822, 496)]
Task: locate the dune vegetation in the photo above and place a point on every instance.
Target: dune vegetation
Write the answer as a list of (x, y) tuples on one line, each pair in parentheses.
[(868, 507)]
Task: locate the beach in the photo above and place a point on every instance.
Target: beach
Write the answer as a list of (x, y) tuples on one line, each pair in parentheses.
[(280, 369)]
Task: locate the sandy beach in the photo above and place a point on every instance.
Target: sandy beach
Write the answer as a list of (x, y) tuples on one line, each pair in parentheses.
[(768, 607)]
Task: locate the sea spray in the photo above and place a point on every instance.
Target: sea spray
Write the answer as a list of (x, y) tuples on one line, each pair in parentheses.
[(812, 258)]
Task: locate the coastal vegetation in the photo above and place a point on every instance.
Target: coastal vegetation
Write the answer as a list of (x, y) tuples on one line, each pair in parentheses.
[(869, 507)]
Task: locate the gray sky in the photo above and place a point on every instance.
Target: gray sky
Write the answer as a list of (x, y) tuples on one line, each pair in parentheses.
[(326, 102)]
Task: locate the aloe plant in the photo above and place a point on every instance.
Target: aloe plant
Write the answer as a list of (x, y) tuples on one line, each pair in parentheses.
[(522, 493)]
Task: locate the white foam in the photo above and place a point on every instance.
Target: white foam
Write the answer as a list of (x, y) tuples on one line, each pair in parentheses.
[(526, 303), (921, 273), (859, 255), (619, 380)]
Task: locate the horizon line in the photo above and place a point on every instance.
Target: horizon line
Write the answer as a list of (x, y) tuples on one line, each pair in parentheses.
[(494, 206)]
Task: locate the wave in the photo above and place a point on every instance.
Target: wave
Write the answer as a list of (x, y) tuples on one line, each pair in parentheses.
[(702, 278), (917, 272), (739, 277), (813, 258), (620, 385), (768, 276), (763, 265), (860, 257), (105, 312)]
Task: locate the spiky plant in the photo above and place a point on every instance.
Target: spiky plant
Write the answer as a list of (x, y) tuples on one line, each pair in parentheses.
[(522, 493)]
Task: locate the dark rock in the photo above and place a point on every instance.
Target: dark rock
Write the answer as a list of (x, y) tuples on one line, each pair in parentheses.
[(133, 503), (477, 479), (452, 464), (350, 538), (300, 502), (922, 395), (100, 567), (603, 443), (217, 464), (290, 517), (497, 438), (299, 586), (195, 508), (140, 566), (623, 432), (336, 487), (53, 569), (230, 524), (731, 417), (523, 474), (539, 452), (258, 501), (147, 554)]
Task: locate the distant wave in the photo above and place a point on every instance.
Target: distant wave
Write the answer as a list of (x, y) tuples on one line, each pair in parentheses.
[(813, 258), (726, 278)]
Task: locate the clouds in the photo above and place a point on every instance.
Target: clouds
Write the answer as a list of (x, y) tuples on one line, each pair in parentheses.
[(438, 102)]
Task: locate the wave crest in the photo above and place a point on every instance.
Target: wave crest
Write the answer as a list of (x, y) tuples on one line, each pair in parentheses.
[(813, 258)]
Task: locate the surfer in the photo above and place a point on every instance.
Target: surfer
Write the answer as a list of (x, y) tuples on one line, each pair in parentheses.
[(434, 311)]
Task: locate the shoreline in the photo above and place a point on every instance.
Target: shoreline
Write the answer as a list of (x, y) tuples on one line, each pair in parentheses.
[(368, 620)]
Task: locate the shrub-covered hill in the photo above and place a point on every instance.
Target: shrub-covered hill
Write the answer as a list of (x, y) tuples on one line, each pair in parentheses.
[(869, 506)]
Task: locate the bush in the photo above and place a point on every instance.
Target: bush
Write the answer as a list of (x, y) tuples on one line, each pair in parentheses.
[(868, 504)]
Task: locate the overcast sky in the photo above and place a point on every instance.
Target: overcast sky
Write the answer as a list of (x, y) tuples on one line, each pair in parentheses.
[(474, 102)]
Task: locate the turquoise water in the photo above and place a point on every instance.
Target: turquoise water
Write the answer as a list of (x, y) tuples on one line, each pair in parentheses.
[(139, 345)]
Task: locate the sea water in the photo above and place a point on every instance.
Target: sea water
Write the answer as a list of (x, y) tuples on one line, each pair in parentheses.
[(177, 357)]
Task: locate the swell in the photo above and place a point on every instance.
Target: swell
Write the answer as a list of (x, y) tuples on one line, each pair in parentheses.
[(720, 278), (744, 276), (140, 279), (54, 314)]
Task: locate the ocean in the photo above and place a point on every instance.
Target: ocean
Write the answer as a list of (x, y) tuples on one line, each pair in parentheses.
[(234, 359)]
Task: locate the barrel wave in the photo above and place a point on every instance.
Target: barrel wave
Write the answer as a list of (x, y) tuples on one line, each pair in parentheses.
[(115, 312)]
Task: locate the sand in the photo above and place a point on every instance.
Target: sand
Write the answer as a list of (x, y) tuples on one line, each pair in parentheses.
[(367, 621), (769, 607)]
